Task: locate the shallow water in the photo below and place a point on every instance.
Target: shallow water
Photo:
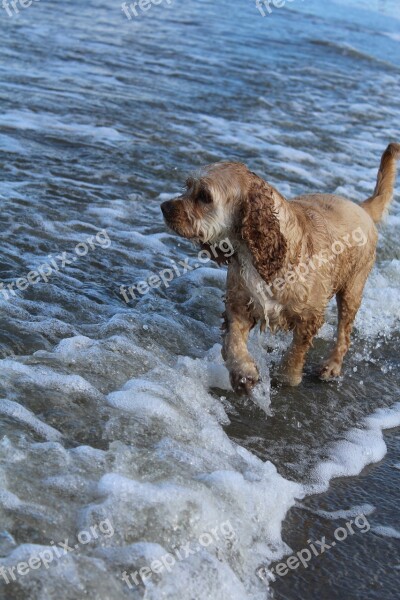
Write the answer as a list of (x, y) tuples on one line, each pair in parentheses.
[(363, 565), (122, 411)]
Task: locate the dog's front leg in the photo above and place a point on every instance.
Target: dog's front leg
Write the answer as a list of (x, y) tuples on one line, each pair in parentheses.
[(238, 321)]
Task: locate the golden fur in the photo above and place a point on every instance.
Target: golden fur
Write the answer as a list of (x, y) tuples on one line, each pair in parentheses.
[(286, 265)]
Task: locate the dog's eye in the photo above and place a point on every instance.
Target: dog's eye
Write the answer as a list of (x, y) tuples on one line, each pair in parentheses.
[(204, 197)]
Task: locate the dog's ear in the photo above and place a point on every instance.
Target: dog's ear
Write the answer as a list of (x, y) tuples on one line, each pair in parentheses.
[(261, 231)]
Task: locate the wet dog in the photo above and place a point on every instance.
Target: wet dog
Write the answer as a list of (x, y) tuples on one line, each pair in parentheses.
[(290, 258)]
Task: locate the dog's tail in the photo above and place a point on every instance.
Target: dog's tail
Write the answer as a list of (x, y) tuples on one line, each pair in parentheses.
[(378, 205)]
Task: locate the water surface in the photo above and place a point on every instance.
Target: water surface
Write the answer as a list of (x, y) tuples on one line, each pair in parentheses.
[(121, 411)]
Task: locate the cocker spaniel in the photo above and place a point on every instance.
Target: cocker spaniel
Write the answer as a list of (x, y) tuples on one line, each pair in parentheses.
[(290, 258)]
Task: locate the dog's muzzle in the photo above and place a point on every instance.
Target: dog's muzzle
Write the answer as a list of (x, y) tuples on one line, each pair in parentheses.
[(168, 210)]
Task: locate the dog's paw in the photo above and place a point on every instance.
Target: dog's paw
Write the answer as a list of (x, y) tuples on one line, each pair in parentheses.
[(293, 379), (243, 382), (330, 369)]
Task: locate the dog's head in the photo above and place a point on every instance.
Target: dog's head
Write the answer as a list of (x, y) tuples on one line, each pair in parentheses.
[(226, 200)]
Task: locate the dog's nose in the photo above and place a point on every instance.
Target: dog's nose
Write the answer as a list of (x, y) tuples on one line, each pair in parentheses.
[(167, 208)]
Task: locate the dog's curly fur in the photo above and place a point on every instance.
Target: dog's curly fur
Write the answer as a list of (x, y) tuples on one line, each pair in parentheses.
[(275, 241), (261, 231)]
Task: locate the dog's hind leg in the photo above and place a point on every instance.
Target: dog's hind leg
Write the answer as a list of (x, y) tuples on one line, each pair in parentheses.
[(291, 369), (348, 302)]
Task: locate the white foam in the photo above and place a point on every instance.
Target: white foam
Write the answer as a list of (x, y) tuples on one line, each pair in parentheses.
[(357, 449), (22, 415), (29, 120), (354, 511), (200, 478), (202, 576), (44, 377), (392, 35), (374, 316), (62, 571), (386, 531), (8, 500)]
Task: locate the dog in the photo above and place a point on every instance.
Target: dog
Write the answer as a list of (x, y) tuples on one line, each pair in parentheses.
[(286, 264)]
